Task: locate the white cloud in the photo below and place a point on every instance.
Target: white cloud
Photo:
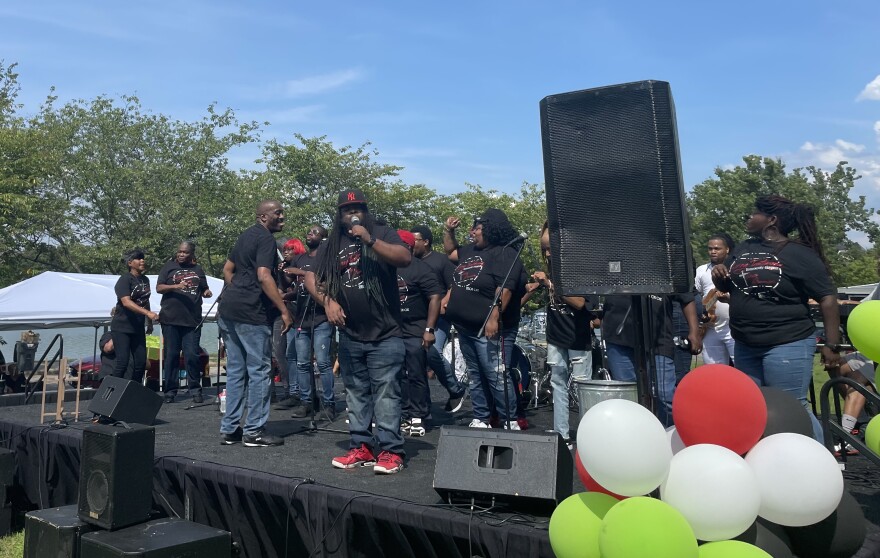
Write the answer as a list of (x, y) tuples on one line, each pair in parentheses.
[(808, 146), (849, 146), (877, 129), (319, 84), (871, 92)]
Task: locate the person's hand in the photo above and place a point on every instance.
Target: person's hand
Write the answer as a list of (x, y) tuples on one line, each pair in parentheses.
[(492, 328), (286, 320), (541, 278), (207, 294), (153, 317), (428, 339), (452, 223), (696, 344), (724, 297), (720, 272), (335, 313), (831, 359), (361, 233)]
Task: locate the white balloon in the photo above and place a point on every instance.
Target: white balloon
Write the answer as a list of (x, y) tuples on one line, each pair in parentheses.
[(800, 481), (624, 447), (714, 489), (675, 441)]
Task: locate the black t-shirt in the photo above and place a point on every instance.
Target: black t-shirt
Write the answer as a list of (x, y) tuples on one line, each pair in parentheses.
[(367, 320), (567, 327), (478, 273), (138, 289), (184, 307), (513, 311), (416, 283), (617, 312), (770, 286), (308, 313), (442, 266), (244, 300), (291, 303)]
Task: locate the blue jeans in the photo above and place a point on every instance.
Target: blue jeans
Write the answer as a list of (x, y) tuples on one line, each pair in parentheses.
[(486, 373), (248, 375), (372, 373), (621, 361), (186, 338), (558, 360), (303, 348), (441, 367), (788, 367)]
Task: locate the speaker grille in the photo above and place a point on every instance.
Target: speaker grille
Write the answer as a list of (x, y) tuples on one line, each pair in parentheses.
[(615, 197)]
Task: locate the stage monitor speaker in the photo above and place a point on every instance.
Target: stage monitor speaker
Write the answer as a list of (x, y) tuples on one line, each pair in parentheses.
[(54, 532), (160, 538), (124, 400), (520, 467), (116, 474), (615, 198)]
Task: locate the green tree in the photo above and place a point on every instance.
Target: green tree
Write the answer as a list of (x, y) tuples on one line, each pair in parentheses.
[(723, 203)]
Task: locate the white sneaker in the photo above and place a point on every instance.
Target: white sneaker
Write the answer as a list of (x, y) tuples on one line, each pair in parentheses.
[(477, 423), (513, 425), (415, 428)]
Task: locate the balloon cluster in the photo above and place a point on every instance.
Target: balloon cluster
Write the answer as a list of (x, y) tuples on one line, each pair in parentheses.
[(739, 464), (862, 329)]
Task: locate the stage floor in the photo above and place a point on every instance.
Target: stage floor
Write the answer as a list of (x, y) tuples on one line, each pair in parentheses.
[(193, 434)]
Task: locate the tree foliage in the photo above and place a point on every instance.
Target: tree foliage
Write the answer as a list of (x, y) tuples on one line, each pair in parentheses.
[(723, 203)]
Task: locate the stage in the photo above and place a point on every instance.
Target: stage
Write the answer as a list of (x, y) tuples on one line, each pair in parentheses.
[(289, 500)]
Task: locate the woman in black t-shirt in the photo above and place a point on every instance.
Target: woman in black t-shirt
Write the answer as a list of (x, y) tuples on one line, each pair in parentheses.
[(770, 278), (127, 326)]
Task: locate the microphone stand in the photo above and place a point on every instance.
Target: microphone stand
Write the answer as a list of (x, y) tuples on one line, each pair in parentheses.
[(495, 302), (216, 401)]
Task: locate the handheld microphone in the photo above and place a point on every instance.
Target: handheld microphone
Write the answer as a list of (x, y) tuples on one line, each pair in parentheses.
[(355, 221), (521, 237)]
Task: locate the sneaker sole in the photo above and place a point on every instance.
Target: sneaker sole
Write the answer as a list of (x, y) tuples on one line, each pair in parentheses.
[(416, 433), (260, 444), (229, 443), (353, 465), (383, 471)]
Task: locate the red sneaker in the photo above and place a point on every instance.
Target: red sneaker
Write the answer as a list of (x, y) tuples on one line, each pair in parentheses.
[(356, 457), (388, 463), (523, 423)]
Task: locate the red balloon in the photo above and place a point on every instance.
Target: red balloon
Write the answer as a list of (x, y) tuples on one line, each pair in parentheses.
[(718, 404), (588, 481)]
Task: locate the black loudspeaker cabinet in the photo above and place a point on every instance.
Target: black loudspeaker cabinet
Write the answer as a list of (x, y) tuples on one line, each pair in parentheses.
[(161, 538), (121, 399), (7, 473), (533, 468), (54, 532), (116, 475), (615, 196)]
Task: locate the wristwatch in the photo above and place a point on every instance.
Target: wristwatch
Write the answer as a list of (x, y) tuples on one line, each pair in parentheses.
[(370, 242), (836, 348), (429, 329)]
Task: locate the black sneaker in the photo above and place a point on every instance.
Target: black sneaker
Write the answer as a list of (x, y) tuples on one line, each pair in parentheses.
[(288, 403), (197, 398), (169, 397), (302, 411), (455, 402), (232, 438), (330, 412), (262, 439)]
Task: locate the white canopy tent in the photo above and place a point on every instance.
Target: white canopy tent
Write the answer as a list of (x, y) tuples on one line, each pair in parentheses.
[(56, 300)]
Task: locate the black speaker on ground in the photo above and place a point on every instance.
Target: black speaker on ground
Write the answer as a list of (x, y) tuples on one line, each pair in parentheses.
[(161, 538), (615, 197), (121, 399), (116, 475), (521, 467), (54, 532)]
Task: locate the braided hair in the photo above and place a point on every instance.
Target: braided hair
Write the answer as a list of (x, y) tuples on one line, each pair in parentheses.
[(327, 273), (790, 216)]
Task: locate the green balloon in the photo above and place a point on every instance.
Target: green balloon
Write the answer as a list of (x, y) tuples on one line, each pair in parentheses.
[(862, 326), (575, 523), (731, 549), (642, 526), (872, 435)]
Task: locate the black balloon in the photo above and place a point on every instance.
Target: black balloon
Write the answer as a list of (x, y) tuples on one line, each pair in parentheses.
[(785, 413), (769, 537), (840, 535)]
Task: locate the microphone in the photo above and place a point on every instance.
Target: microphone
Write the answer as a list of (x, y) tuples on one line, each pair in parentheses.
[(521, 237), (355, 221)]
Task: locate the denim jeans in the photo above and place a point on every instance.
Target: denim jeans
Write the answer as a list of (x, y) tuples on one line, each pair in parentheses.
[(788, 367), (371, 372), (279, 352), (621, 361), (558, 360), (248, 375), (304, 346), (486, 374), (186, 338), (441, 367)]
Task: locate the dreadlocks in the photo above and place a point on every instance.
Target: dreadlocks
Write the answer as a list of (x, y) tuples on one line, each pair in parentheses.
[(791, 216), (496, 228), (327, 275)]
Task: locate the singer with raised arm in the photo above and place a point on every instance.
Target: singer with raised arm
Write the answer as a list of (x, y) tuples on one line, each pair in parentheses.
[(355, 281), (486, 266)]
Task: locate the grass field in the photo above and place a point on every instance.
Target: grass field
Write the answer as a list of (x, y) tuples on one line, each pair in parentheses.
[(12, 546)]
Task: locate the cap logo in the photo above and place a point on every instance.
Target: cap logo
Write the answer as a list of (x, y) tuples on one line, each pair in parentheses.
[(351, 196)]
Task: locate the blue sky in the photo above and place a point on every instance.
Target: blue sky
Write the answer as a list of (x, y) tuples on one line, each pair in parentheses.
[(450, 90)]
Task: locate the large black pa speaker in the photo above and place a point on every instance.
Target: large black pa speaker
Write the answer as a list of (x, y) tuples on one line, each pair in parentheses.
[(520, 467), (54, 532), (160, 538), (116, 475), (615, 198), (121, 399)]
